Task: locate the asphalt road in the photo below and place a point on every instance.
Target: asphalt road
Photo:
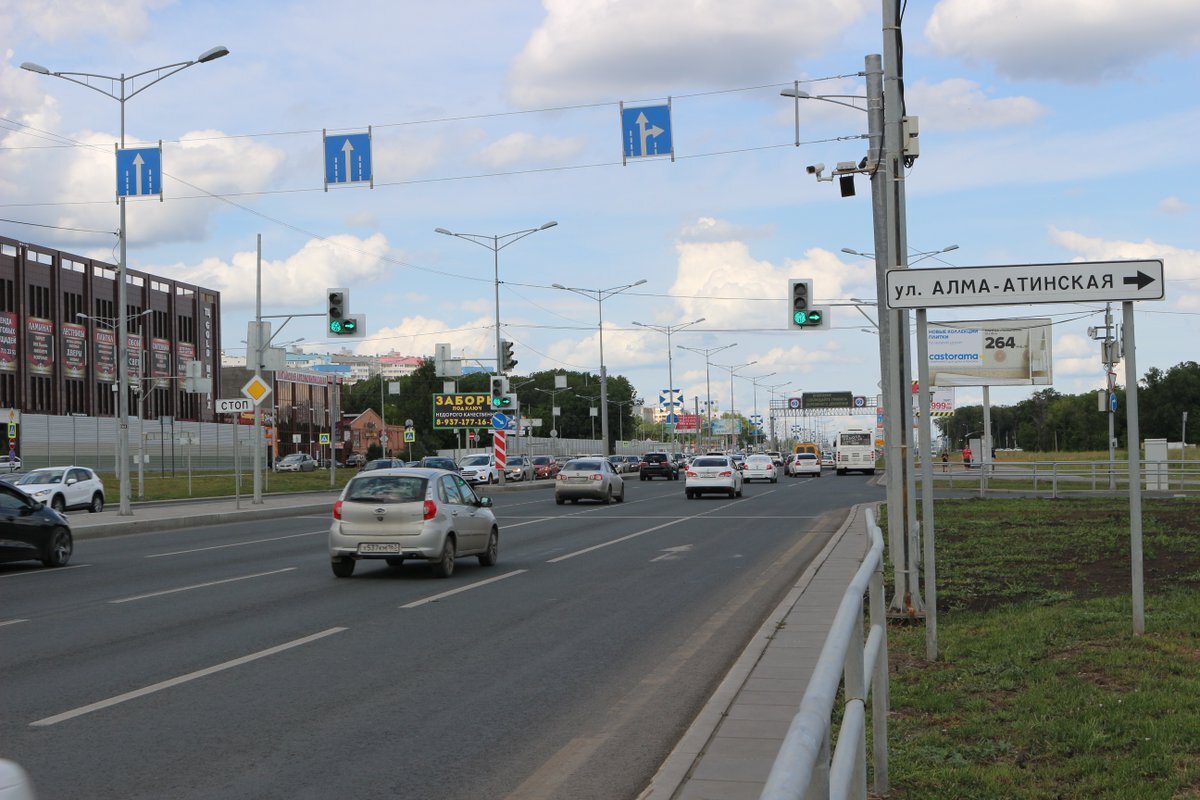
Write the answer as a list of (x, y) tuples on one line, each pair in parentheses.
[(228, 662)]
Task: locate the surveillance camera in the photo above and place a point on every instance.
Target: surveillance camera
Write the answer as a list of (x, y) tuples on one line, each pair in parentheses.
[(815, 169)]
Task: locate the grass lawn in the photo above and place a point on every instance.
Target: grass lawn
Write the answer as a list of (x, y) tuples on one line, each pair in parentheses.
[(208, 484), (1042, 690)]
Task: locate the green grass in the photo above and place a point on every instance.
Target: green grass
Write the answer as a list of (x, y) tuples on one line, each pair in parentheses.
[(1042, 690), (207, 484)]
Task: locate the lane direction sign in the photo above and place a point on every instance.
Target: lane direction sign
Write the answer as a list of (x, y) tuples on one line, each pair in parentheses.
[(1081, 282), (139, 171), (646, 131), (348, 158)]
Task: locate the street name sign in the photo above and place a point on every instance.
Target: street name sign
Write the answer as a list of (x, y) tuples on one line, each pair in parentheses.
[(1022, 284), (139, 171), (234, 405)]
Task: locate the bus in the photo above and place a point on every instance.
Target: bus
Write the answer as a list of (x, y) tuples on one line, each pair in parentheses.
[(854, 450)]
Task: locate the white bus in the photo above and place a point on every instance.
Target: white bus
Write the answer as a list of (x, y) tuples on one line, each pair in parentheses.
[(854, 449)]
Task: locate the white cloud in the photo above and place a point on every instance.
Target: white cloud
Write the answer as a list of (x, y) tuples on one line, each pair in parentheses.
[(525, 148), (1076, 41), (956, 104), (708, 229), (419, 335), (1181, 267), (1173, 205), (72, 20), (627, 48), (298, 280)]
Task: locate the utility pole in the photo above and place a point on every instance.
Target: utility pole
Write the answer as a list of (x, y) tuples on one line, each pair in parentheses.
[(259, 347)]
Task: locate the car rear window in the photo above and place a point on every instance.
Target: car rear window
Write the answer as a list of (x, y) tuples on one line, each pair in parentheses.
[(582, 466), (654, 458), (805, 457), (712, 461), (386, 489), (758, 460)]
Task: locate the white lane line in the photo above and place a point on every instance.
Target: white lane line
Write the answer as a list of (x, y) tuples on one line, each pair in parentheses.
[(237, 544), (199, 586), (461, 589), (44, 571), (643, 532), (12, 622), (191, 676)]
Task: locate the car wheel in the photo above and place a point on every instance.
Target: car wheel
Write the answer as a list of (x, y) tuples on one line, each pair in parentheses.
[(395, 562), (607, 496), (690, 495), (739, 493), (58, 551), (489, 557), (621, 496), (641, 477), (774, 480), (444, 566), (343, 567), (97, 503), (559, 501), (58, 504)]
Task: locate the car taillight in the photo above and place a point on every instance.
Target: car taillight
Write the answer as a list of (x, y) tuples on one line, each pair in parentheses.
[(727, 473), (691, 474), (597, 477), (643, 464), (430, 509), (561, 477), (337, 510)]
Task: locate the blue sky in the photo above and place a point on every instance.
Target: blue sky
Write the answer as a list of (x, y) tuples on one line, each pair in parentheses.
[(1050, 132)]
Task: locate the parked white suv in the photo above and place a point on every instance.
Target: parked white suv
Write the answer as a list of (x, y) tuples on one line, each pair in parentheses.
[(64, 487), (479, 468)]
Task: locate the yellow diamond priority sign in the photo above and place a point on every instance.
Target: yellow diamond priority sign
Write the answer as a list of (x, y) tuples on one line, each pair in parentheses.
[(256, 389)]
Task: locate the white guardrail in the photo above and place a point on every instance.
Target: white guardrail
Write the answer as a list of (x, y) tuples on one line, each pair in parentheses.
[(803, 769)]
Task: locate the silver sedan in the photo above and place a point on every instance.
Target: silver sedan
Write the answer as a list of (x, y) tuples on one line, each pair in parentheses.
[(588, 479)]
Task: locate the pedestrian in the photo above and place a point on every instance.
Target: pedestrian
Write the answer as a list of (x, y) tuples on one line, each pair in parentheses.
[(967, 456), (945, 461)]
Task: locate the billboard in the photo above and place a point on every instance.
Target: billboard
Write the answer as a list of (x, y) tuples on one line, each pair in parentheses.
[(462, 410), (991, 352)]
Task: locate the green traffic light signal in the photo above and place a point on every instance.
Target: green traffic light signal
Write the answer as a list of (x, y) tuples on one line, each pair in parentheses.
[(335, 326), (801, 317), (500, 401)]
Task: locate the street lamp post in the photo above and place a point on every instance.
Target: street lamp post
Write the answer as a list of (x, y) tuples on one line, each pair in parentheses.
[(754, 382), (591, 399), (122, 81), (668, 330), (733, 369), (771, 390), (707, 353), (496, 243), (600, 295)]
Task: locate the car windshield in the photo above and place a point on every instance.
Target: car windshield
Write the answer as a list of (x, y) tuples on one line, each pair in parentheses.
[(43, 476), (475, 461), (386, 489), (582, 466), (541, 461), (516, 461), (292, 458), (710, 461)]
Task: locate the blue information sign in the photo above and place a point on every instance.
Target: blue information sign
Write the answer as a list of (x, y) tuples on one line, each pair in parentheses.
[(646, 131), (500, 421), (139, 171), (1112, 402), (347, 158)]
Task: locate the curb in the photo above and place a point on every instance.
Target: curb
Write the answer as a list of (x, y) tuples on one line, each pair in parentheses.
[(678, 765), (104, 530)]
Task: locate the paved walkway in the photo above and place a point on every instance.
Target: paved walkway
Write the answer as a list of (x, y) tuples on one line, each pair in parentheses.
[(728, 751)]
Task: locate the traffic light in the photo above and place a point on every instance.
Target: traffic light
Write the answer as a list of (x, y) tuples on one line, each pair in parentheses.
[(501, 399), (507, 362), (800, 292), (336, 310)]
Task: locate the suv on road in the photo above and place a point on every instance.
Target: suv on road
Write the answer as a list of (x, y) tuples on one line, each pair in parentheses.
[(657, 465)]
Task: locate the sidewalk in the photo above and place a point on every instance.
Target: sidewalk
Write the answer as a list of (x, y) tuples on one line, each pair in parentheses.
[(728, 751)]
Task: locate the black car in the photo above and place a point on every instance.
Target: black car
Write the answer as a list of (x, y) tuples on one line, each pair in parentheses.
[(355, 460), (30, 530), (658, 465), (381, 463), (439, 462)]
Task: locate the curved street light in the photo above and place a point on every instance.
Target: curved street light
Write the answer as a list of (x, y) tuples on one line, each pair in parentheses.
[(668, 330), (707, 353), (122, 81), (600, 295), (732, 415)]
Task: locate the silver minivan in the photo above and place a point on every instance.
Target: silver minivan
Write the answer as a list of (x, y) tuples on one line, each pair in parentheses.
[(396, 515)]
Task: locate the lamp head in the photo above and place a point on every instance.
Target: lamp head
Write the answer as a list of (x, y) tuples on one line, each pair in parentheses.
[(639, 283), (549, 224), (38, 68), (442, 231), (212, 54)]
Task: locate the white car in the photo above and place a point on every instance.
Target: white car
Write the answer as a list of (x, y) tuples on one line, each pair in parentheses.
[(479, 468), (62, 488), (296, 462), (760, 468), (395, 515), (518, 468), (805, 464), (709, 474)]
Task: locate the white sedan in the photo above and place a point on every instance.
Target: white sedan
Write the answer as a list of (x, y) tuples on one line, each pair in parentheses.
[(709, 474), (760, 468), (805, 464)]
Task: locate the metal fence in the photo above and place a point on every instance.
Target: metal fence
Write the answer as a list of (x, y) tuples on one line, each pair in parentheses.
[(803, 768), (1065, 478)]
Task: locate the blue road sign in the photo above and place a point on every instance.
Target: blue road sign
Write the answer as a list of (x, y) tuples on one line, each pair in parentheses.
[(1112, 402), (500, 421), (646, 131), (347, 158), (139, 171), (672, 419)]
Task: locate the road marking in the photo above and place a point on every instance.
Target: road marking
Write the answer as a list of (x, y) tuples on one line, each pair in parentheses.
[(672, 553), (12, 622), (199, 586), (44, 571), (530, 521), (643, 532), (461, 589), (191, 676), (236, 544)]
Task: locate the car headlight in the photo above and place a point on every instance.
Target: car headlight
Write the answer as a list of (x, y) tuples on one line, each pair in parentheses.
[(42, 492)]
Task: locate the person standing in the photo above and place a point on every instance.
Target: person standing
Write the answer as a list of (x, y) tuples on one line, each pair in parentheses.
[(945, 461), (966, 455)]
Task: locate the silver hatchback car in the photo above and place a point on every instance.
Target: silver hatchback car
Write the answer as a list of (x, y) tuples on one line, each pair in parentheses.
[(411, 513), (588, 479)]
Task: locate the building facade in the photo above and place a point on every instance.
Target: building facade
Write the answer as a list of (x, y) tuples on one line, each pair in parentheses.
[(58, 337)]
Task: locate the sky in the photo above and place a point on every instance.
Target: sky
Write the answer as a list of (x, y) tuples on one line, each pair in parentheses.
[(1049, 133)]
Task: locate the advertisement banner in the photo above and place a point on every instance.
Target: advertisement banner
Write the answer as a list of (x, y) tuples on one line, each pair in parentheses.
[(160, 361), (724, 427), (184, 352), (39, 346), (74, 354), (8, 341), (941, 401), (105, 355), (133, 345), (993, 352), (461, 410), (688, 423)]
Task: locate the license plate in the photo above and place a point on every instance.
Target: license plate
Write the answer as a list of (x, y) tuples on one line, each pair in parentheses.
[(378, 547)]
